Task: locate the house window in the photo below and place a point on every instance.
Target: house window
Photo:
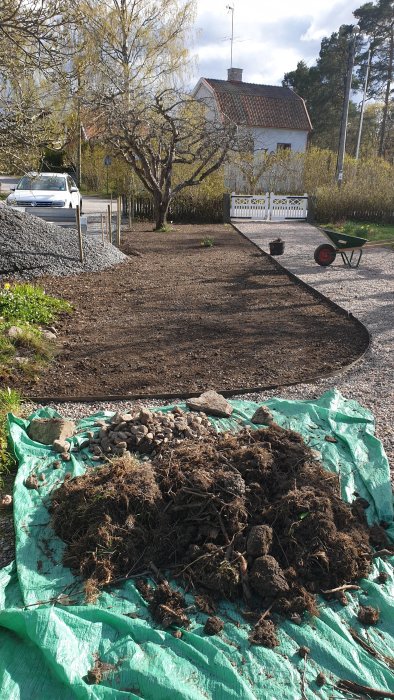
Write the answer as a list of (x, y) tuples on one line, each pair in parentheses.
[(283, 146)]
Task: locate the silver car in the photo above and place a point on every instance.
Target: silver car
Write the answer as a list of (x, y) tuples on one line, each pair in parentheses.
[(45, 190)]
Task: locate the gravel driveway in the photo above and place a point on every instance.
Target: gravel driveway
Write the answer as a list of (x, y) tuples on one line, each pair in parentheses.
[(368, 293)]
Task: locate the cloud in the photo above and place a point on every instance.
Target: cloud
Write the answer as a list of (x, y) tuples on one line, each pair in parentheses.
[(269, 38)]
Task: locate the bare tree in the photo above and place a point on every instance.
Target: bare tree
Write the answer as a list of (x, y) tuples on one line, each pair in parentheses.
[(141, 108), (169, 143)]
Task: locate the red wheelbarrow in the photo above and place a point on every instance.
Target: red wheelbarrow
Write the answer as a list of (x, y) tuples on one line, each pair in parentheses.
[(347, 246)]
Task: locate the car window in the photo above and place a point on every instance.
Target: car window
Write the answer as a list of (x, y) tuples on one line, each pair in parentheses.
[(42, 182)]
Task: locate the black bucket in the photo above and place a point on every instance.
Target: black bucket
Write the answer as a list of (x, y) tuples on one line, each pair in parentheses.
[(277, 247)]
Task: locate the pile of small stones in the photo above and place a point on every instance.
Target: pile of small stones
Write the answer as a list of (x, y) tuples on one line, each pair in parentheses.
[(146, 432)]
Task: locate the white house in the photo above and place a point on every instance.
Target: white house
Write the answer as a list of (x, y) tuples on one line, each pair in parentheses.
[(274, 117)]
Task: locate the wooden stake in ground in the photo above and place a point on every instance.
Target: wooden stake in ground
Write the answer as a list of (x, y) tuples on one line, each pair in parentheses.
[(118, 220), (109, 217), (130, 208), (78, 217), (102, 228)]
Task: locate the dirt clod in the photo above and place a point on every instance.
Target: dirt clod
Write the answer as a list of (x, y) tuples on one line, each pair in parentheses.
[(31, 482), (321, 679), (213, 625), (99, 671), (259, 540), (383, 577), (368, 615), (267, 578), (303, 652), (168, 607), (264, 634)]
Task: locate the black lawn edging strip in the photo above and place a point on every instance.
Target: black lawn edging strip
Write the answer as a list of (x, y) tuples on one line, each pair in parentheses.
[(228, 393)]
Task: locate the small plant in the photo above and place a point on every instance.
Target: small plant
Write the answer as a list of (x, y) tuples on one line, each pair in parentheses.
[(26, 302), (10, 402), (207, 242)]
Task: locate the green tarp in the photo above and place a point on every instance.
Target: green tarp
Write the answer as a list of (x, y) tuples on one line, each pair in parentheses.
[(50, 639)]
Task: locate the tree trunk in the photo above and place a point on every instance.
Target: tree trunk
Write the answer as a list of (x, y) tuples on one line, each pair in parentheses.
[(383, 129), (161, 205)]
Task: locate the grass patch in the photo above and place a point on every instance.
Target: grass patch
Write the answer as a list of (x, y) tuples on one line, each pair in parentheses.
[(363, 229), (10, 402), (24, 348), (26, 302)]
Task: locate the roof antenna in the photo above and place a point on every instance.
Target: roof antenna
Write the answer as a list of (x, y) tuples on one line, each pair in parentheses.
[(231, 9)]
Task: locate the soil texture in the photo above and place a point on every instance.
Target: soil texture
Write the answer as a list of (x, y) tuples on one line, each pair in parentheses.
[(250, 516), (180, 318)]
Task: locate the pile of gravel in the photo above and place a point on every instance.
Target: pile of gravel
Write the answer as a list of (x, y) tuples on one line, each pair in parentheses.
[(31, 247)]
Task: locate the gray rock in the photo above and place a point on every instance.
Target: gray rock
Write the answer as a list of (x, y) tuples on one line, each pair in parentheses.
[(145, 416), (14, 332), (61, 446), (48, 335), (47, 430), (212, 403)]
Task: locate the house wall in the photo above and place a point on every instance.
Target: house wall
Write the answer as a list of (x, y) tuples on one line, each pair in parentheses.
[(205, 95), (287, 178), (269, 138)]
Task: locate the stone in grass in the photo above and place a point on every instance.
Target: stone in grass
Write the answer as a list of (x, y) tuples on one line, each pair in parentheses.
[(47, 430), (262, 416), (212, 403)]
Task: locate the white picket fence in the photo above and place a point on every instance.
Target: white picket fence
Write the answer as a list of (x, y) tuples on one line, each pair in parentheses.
[(268, 207)]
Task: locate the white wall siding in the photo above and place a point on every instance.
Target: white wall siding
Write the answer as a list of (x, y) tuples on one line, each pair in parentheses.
[(269, 138)]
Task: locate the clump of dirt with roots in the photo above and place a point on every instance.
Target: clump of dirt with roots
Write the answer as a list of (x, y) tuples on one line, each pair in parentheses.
[(252, 517)]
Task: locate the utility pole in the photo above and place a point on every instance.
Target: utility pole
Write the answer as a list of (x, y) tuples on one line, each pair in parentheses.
[(231, 9), (79, 140), (360, 126), (345, 108)]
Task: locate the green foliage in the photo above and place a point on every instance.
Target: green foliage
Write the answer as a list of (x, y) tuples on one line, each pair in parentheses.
[(25, 302), (322, 86), (10, 402), (207, 242), (373, 232), (26, 351)]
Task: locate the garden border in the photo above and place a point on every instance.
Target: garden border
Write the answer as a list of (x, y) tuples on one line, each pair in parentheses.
[(227, 392)]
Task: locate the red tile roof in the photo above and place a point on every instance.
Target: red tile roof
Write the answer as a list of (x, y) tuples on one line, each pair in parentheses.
[(267, 106)]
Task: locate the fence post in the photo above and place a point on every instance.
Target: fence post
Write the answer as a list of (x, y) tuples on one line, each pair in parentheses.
[(102, 228), (118, 218), (78, 217), (131, 212), (109, 218), (226, 207)]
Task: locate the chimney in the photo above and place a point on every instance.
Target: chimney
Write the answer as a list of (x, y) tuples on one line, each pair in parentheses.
[(234, 75)]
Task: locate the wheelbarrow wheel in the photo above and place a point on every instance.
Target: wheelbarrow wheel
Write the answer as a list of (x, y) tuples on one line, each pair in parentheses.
[(325, 254)]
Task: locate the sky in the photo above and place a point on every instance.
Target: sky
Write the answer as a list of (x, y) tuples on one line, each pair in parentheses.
[(270, 36)]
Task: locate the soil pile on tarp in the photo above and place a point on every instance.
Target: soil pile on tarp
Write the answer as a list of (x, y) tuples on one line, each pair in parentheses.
[(252, 515)]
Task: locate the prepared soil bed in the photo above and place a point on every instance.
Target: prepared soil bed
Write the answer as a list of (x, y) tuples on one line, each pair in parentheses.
[(178, 318), (251, 516)]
